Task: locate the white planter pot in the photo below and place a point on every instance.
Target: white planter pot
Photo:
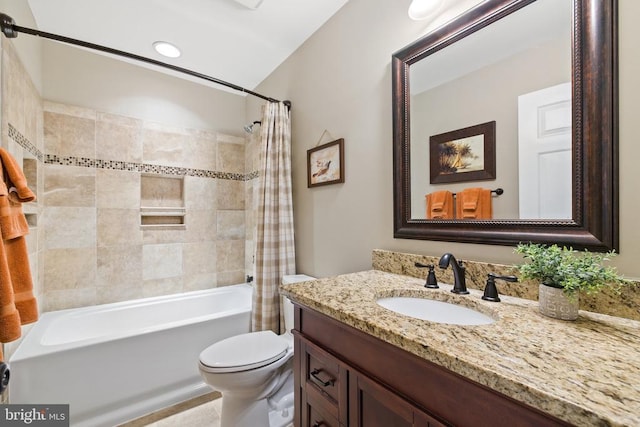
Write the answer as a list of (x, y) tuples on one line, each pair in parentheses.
[(554, 303)]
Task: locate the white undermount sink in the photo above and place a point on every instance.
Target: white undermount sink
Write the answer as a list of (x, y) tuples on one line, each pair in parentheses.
[(435, 311)]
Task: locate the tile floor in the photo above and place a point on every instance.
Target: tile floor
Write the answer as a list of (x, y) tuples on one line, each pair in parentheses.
[(203, 411)]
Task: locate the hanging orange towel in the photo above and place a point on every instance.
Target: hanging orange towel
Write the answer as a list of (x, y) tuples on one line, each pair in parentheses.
[(17, 303), (440, 205), (474, 203)]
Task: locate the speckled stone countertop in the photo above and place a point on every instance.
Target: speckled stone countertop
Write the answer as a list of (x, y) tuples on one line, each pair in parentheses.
[(585, 372)]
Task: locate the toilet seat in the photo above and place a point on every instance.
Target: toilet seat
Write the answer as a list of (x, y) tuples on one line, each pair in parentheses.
[(243, 352)]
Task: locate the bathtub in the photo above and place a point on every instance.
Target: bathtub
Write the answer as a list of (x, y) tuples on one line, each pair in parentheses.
[(115, 362)]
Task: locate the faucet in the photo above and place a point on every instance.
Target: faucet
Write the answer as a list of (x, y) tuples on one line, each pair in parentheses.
[(459, 285)]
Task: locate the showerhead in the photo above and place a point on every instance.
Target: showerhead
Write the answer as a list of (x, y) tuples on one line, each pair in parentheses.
[(249, 128)]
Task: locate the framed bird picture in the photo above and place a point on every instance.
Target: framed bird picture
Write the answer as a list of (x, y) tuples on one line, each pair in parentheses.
[(325, 164)]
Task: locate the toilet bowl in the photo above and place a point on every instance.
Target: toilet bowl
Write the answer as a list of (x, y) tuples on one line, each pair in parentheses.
[(254, 373)]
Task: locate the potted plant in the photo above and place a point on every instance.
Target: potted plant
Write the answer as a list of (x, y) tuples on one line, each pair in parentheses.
[(564, 273)]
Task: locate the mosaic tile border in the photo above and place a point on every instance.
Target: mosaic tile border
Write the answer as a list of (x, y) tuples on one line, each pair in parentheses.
[(52, 159), (22, 141)]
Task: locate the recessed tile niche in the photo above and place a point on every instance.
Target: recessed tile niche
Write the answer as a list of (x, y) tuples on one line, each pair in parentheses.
[(162, 202)]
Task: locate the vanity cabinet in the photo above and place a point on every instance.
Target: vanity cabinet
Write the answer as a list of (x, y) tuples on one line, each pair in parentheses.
[(345, 377)]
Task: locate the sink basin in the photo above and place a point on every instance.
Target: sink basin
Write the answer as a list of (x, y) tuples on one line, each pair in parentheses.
[(435, 311)]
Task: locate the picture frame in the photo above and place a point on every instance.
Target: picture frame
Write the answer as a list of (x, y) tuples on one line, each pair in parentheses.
[(462, 155), (325, 164)]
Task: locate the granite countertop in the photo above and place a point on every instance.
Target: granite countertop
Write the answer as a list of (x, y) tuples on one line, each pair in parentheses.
[(586, 372)]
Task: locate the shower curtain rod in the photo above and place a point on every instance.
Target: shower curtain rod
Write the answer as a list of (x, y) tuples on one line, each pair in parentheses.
[(11, 30)]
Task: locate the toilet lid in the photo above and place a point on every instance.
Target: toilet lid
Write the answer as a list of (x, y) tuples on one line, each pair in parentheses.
[(244, 352)]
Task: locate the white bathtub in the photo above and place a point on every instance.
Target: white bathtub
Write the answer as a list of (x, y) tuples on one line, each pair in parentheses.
[(115, 362)]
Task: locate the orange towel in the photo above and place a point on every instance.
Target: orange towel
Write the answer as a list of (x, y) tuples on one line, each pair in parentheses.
[(474, 203), (18, 305), (440, 205)]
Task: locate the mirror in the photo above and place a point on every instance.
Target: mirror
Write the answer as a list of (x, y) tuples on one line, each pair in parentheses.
[(473, 83)]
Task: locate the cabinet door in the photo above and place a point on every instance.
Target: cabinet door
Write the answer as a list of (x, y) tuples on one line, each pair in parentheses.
[(372, 405)]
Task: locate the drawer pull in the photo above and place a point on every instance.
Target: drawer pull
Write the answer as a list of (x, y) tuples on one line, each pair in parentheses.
[(324, 383), (318, 424)]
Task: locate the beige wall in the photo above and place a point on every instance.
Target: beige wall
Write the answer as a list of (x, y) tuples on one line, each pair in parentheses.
[(340, 80)]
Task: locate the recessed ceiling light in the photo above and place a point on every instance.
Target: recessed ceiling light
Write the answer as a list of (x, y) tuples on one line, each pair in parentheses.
[(421, 9), (167, 49)]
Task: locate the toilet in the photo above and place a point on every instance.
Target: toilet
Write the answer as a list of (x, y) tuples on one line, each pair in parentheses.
[(254, 373)]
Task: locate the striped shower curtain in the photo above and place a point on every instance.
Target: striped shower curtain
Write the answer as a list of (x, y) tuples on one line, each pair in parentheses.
[(275, 249)]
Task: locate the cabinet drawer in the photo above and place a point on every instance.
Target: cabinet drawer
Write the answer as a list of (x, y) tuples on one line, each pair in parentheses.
[(323, 373), (316, 415)]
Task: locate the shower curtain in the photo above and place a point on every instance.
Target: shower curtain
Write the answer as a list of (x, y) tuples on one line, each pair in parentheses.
[(275, 249)]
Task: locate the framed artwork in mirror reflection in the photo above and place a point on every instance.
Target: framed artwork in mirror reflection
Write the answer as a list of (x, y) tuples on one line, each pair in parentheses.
[(325, 164), (462, 155)]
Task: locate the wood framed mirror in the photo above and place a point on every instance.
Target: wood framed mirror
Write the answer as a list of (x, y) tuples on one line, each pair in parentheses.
[(590, 217)]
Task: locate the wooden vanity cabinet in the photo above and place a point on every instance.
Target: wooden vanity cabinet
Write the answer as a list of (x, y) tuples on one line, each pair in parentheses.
[(344, 377)]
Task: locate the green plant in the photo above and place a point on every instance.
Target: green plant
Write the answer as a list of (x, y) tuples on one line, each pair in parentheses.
[(567, 268)]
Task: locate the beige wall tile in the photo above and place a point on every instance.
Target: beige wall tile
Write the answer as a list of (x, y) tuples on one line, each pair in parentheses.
[(227, 278), (69, 136), (199, 258), (161, 261), (200, 193), (198, 282), (119, 266), (230, 139), (69, 186), (231, 225), (69, 227), (231, 157), (69, 269), (156, 287), (69, 298), (117, 189), (163, 148), (230, 255), (118, 292), (201, 225), (200, 151), (118, 227), (13, 103), (230, 195), (118, 138), (69, 110), (153, 237)]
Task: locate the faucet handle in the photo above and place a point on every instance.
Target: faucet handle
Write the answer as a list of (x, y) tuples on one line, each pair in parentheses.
[(432, 282), (490, 290)]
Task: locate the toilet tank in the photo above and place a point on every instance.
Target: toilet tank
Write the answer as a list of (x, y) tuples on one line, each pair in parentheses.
[(287, 306)]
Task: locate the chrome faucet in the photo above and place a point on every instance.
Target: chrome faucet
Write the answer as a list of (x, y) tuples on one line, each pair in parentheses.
[(459, 285)]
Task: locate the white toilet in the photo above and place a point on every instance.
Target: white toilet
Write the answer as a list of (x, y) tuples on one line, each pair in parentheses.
[(254, 373)]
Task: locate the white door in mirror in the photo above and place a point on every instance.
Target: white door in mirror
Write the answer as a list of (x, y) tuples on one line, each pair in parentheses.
[(544, 145)]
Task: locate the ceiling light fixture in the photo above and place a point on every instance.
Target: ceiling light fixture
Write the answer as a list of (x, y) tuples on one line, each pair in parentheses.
[(167, 49), (421, 9)]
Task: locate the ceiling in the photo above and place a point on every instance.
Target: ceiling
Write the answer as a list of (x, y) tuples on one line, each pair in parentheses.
[(238, 41)]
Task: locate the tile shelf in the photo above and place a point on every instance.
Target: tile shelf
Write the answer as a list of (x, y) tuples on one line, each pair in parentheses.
[(162, 217)]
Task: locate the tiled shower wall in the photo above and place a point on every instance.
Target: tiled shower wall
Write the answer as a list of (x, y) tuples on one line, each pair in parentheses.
[(22, 127), (95, 250), (86, 244)]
